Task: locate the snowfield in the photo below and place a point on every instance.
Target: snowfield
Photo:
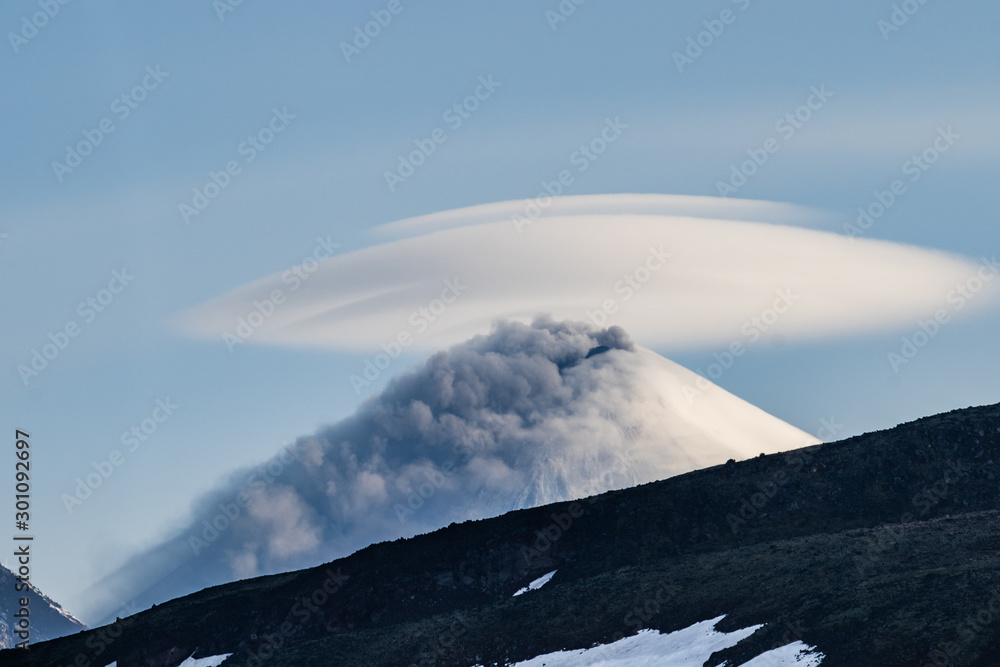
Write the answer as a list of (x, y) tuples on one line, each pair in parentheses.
[(689, 647)]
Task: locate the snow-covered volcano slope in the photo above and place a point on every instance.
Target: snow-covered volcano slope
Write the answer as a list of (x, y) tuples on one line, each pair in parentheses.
[(635, 417), (524, 416)]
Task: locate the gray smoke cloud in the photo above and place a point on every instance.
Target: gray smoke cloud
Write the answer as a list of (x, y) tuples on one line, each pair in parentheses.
[(445, 442), (454, 439), (523, 416)]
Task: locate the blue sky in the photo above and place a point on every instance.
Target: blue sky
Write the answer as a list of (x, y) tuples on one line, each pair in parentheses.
[(323, 176)]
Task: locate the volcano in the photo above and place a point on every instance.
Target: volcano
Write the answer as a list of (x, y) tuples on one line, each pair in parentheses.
[(527, 415)]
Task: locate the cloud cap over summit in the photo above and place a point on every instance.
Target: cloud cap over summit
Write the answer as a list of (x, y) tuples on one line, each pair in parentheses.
[(608, 259)]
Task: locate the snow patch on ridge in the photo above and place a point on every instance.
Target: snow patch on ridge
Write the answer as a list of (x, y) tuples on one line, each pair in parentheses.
[(213, 661), (796, 654), (536, 584), (689, 647)]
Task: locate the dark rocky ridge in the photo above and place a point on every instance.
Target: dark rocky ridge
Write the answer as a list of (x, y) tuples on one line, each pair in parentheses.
[(876, 549)]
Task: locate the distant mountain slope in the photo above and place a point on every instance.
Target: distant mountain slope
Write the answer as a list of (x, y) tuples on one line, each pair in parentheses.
[(48, 619), (675, 421), (883, 549)]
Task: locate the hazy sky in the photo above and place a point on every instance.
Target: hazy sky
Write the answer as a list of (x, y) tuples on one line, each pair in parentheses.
[(292, 134)]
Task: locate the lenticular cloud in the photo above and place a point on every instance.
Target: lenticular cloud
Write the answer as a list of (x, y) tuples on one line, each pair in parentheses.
[(674, 271), (524, 416)]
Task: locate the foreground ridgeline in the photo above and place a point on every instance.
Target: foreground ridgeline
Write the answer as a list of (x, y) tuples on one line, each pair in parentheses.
[(877, 550)]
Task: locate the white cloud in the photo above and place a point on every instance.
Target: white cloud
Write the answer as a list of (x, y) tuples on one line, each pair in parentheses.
[(727, 263)]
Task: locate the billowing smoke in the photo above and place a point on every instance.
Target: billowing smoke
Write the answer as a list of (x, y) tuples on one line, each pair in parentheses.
[(527, 415), (456, 438)]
